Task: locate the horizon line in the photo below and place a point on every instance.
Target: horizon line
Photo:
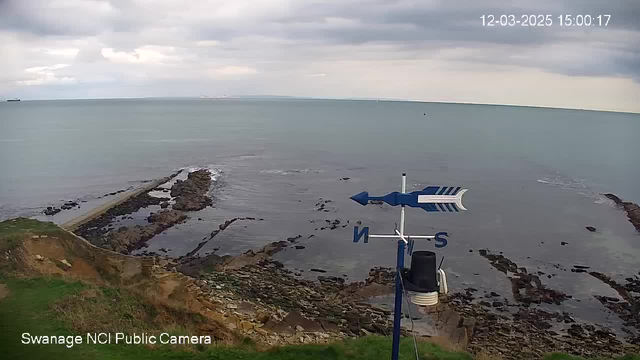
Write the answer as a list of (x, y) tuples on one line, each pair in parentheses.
[(293, 97)]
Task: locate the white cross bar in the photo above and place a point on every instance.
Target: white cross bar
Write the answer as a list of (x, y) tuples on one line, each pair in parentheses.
[(406, 236)]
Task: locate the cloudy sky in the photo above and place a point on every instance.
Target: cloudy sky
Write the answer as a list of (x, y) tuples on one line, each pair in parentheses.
[(431, 50)]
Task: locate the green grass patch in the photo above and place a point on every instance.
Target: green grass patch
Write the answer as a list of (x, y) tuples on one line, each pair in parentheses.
[(116, 310), (13, 231), (22, 225)]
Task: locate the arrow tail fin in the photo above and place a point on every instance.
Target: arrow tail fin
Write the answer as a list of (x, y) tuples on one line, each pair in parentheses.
[(458, 199)]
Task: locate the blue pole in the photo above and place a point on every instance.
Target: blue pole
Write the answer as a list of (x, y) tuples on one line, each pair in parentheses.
[(397, 316)]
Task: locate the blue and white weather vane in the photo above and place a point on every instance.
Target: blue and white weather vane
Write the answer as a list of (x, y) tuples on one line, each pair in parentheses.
[(430, 199)]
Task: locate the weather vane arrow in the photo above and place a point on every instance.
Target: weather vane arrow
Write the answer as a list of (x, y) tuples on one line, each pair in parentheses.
[(431, 198)]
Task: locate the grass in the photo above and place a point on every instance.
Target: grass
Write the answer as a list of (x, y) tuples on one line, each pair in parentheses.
[(22, 225), (33, 306), (12, 231), (115, 310)]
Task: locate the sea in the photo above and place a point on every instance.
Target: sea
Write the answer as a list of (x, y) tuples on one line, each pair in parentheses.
[(535, 177)]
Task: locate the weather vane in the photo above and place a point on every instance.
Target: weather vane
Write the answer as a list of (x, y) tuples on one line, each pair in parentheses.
[(422, 276)]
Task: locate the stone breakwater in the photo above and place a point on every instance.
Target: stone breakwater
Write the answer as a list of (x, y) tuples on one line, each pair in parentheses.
[(189, 195)]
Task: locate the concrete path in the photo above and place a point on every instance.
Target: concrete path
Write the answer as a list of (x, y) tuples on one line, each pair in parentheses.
[(74, 223)]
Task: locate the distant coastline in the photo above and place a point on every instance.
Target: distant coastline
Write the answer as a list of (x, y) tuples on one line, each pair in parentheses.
[(288, 97)]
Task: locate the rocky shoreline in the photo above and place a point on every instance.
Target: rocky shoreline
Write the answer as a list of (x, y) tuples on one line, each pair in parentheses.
[(257, 296), (522, 330), (275, 307)]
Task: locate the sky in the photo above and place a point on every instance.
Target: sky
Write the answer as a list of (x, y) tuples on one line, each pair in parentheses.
[(426, 50)]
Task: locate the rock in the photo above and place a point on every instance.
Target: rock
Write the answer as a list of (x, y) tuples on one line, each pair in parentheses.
[(66, 263), (278, 327), (39, 257), (318, 270), (191, 194), (534, 290), (329, 326), (246, 308), (632, 210), (576, 331), (564, 243), (331, 280), (263, 316), (232, 306), (500, 262), (245, 325), (167, 218), (208, 304), (164, 205), (494, 294), (294, 319), (299, 247), (299, 328), (591, 228)]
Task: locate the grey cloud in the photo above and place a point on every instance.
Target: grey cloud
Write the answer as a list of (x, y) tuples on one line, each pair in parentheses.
[(305, 32)]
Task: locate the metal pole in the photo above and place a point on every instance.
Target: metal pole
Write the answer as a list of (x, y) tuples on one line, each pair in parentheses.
[(404, 190), (397, 316)]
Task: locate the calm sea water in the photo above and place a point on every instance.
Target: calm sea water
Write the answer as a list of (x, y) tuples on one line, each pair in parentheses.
[(535, 177)]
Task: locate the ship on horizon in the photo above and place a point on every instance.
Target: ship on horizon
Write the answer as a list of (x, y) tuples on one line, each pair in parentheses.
[(12, 100)]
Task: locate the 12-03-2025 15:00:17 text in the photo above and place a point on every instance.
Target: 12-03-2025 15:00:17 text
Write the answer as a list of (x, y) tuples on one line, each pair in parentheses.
[(510, 20)]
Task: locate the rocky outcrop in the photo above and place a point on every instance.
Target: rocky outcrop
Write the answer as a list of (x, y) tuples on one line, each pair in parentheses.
[(191, 194), (527, 288), (295, 305), (530, 332), (632, 210), (167, 218), (50, 210), (127, 239), (96, 230)]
